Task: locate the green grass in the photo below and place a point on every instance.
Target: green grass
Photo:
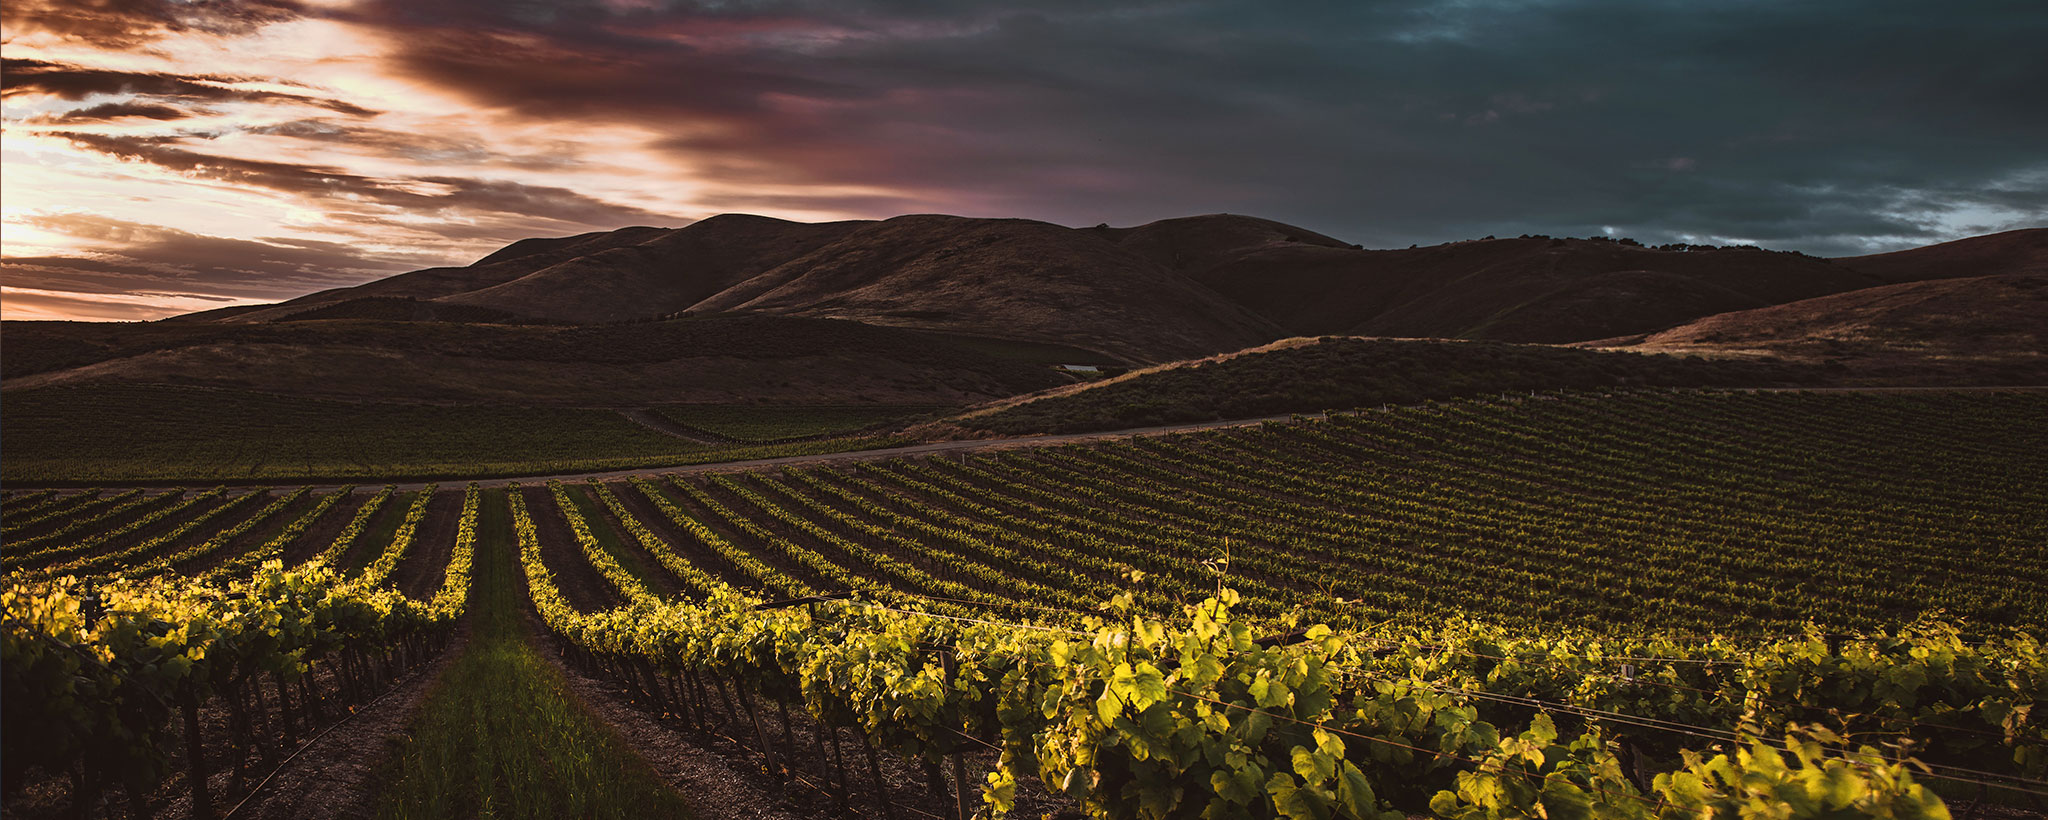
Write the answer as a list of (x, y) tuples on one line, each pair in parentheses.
[(772, 424), (631, 558), (383, 529), (500, 735), (111, 434)]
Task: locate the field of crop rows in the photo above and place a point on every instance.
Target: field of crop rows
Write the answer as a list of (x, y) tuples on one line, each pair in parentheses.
[(1516, 603)]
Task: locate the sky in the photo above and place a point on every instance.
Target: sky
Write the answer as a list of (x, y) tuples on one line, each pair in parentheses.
[(165, 156)]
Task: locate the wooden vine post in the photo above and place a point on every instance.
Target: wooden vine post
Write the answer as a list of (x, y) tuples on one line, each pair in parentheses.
[(746, 700), (195, 757), (960, 755)]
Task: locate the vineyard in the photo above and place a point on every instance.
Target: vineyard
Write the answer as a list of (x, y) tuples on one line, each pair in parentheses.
[(154, 433), (1652, 603)]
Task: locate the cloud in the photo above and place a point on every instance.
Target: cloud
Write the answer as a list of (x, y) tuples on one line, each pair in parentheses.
[(129, 23), (119, 110), (1389, 122), (138, 259), (21, 304), (25, 77), (421, 195), (413, 146)]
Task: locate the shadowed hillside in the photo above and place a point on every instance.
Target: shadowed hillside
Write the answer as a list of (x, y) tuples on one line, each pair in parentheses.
[(1158, 292), (1998, 254), (1003, 277), (1981, 330), (1341, 372), (945, 310), (664, 274), (716, 360), (514, 261), (1536, 290)]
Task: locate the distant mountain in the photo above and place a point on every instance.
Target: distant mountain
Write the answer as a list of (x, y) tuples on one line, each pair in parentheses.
[(1167, 290), (1982, 329)]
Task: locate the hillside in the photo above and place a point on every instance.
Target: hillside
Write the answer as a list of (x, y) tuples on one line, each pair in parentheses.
[(1005, 278), (1309, 375), (1001, 277), (1977, 330), (1523, 290), (1163, 291), (665, 273), (735, 359), (517, 260), (942, 310), (1998, 254)]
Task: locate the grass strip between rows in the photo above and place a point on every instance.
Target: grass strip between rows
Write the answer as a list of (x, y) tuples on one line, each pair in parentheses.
[(500, 735)]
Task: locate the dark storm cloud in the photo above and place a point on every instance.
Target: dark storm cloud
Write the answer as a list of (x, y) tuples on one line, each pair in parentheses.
[(120, 110), (1830, 127), (72, 82)]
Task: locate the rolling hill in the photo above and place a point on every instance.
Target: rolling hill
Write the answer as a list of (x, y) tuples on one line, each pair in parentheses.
[(942, 310), (1311, 375), (1011, 277), (1008, 278), (520, 259), (1168, 290), (1534, 289), (726, 359), (1998, 254), (1981, 330)]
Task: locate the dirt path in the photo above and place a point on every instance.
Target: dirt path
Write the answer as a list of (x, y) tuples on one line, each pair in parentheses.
[(719, 785), (423, 569), (692, 549), (318, 537), (586, 589), (633, 555), (330, 779), (725, 779), (250, 540)]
